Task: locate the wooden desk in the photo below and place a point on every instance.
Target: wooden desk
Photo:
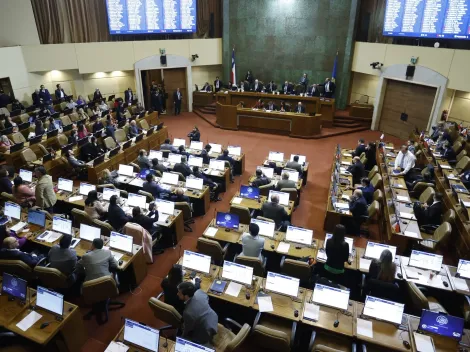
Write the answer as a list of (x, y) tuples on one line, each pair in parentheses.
[(202, 98), (425, 278), (241, 298), (283, 165), (251, 204), (457, 283), (10, 309), (239, 160), (276, 179), (170, 344)]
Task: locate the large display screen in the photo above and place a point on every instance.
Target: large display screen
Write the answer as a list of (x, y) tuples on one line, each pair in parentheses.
[(448, 19), (151, 16)]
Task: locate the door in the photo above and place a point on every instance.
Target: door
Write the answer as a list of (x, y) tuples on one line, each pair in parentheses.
[(175, 78), (147, 77)]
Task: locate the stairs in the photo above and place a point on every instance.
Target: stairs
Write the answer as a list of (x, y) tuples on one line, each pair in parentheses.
[(208, 109), (207, 113), (343, 119)]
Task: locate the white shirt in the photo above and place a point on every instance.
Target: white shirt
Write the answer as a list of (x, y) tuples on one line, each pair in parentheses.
[(61, 93), (327, 87), (408, 161)]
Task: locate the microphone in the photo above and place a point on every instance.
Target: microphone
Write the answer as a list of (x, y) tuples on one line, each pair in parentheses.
[(407, 224)]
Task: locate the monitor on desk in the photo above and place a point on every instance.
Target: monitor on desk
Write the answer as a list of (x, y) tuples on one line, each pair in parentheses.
[(121, 242), (266, 228), (89, 233), (285, 285), (64, 184), (155, 154), (183, 345), (293, 175), (424, 260), (227, 220), (283, 197), (165, 206), (237, 272), (196, 145), (141, 335), (61, 225), (174, 158), (86, 188), (349, 241), (37, 217), (50, 300), (299, 235), (331, 296), (14, 286), (276, 156), (267, 171), (169, 178), (26, 175), (441, 324), (234, 150), (178, 142), (126, 170), (302, 158), (109, 192), (217, 164), (13, 210), (194, 183), (249, 192), (195, 161), (216, 148), (374, 250), (137, 200), (463, 269), (383, 310), (197, 261)]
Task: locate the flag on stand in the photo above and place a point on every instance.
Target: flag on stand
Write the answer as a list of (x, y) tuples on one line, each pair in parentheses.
[(335, 65), (233, 76)]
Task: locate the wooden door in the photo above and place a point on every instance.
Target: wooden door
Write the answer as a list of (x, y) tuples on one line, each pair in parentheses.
[(175, 78), (414, 99), (147, 77)]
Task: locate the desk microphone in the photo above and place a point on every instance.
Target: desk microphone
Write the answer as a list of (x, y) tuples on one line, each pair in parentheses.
[(407, 224)]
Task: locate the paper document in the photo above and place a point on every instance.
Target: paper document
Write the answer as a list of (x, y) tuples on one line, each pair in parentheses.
[(265, 304), (237, 200), (423, 343), (412, 273), (215, 172), (75, 198), (389, 148), (409, 216), (460, 284), (345, 197), (321, 256), (346, 162), (117, 256), (403, 198), (342, 205), (411, 234), (312, 311), (117, 347), (233, 289), (467, 204), (347, 154), (138, 182), (19, 226), (53, 236), (364, 264), (447, 167), (283, 247), (29, 320), (211, 232), (364, 328), (162, 219)]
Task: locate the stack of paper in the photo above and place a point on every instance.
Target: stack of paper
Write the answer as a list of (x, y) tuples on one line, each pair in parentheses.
[(412, 273), (423, 343), (116, 347), (403, 198), (364, 328), (210, 232), (364, 264), (265, 304), (75, 198), (312, 311), (342, 205), (29, 320), (162, 218), (321, 256), (237, 200), (283, 247), (233, 289), (445, 166), (460, 284)]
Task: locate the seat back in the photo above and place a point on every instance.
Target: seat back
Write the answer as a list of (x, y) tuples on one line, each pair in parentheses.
[(383, 289), (99, 290), (461, 155), (417, 298), (372, 172), (51, 278), (184, 207), (463, 163), (63, 140), (165, 312), (18, 137), (242, 212), (323, 348), (293, 194), (120, 135), (376, 181), (238, 339), (270, 339), (79, 217), (181, 177), (449, 216), (74, 117), (442, 233), (373, 209), (66, 120), (296, 268), (264, 190), (144, 124), (427, 195), (27, 156), (109, 143), (149, 196), (378, 196), (134, 230), (105, 227), (420, 187), (253, 262), (17, 268), (456, 147), (363, 158), (211, 248), (7, 196)]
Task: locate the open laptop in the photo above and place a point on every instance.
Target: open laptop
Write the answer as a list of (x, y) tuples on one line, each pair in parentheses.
[(302, 158), (89, 233), (194, 183), (169, 178), (374, 250), (50, 300), (196, 145), (65, 185), (266, 228), (36, 217), (441, 324), (126, 172), (383, 309), (249, 192), (196, 262), (285, 285), (137, 200), (283, 197), (141, 335), (98, 160), (425, 260), (14, 287), (218, 165), (299, 235), (13, 211), (174, 158), (216, 148), (165, 206), (463, 269), (276, 156), (331, 296), (86, 188), (155, 154), (227, 220), (293, 175), (267, 171), (121, 242), (109, 192), (321, 255), (234, 150), (195, 161), (237, 272), (178, 142), (183, 345)]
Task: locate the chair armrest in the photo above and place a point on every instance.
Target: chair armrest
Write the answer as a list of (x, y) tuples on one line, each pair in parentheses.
[(282, 261), (312, 340), (167, 327), (292, 336), (226, 247), (264, 262), (257, 318), (364, 348), (160, 295), (428, 228), (234, 323), (42, 262)]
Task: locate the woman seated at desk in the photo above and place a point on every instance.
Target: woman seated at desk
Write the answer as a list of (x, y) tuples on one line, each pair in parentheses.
[(23, 194), (5, 232), (82, 131), (384, 268), (5, 183), (259, 104), (93, 206), (39, 129), (337, 252), (108, 179), (5, 144)]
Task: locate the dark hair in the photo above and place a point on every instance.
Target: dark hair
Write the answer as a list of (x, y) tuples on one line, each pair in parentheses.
[(3, 173), (41, 169), (338, 234), (187, 288), (208, 147), (361, 140), (57, 85), (254, 229), (296, 158), (366, 181), (80, 127), (175, 275), (113, 200), (181, 148), (65, 241), (149, 177), (195, 169), (225, 152), (141, 152), (387, 266), (154, 162), (259, 172), (18, 181), (98, 242), (135, 211), (167, 141), (438, 196), (91, 198)]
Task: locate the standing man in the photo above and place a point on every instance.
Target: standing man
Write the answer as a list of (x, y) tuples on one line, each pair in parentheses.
[(404, 162), (155, 100), (36, 98), (59, 93), (304, 82), (271, 87), (128, 96), (249, 77), (286, 88), (45, 95), (313, 91), (257, 87), (97, 95), (300, 108), (177, 98), (218, 84), (330, 88), (45, 196)]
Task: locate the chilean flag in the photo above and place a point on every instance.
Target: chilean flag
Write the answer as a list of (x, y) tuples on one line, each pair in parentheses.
[(232, 74)]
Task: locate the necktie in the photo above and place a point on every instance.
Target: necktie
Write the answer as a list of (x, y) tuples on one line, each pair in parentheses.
[(402, 161)]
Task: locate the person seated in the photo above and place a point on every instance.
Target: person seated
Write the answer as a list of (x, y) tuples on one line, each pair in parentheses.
[(98, 262), (300, 109), (8, 122), (170, 284), (168, 146), (361, 148), (367, 190), (448, 153), (429, 214), (6, 232), (157, 166), (208, 182), (252, 244), (182, 151), (62, 257), (194, 135), (143, 220), (23, 194), (404, 162), (205, 154), (357, 170), (16, 105), (206, 87), (110, 131), (226, 157), (371, 156), (313, 90), (10, 251), (138, 108), (81, 100), (274, 211), (271, 106), (143, 161), (82, 131), (271, 87), (73, 137), (284, 107), (384, 268), (134, 131), (337, 252), (295, 165), (183, 167), (5, 183), (116, 216), (179, 196), (97, 126), (39, 128), (78, 165), (285, 182), (93, 207), (200, 322), (108, 178), (358, 209), (259, 104), (153, 188), (52, 124), (286, 88), (242, 86), (91, 150), (260, 179), (257, 86), (71, 104), (103, 106)]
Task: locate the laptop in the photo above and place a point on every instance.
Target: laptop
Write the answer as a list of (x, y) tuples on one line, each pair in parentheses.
[(169, 178), (183, 345), (114, 151), (36, 217), (174, 158), (266, 228), (139, 137), (234, 150), (126, 170), (383, 309), (155, 154), (425, 260), (195, 161), (14, 287), (276, 156), (249, 192), (374, 250), (141, 335), (121, 242), (35, 140), (64, 184), (150, 131), (283, 197), (26, 175), (299, 235), (194, 183), (267, 171), (50, 300), (237, 272), (331, 296), (86, 188), (197, 262), (89, 233), (196, 145), (285, 285), (98, 160), (227, 220), (109, 192), (179, 141), (441, 324), (127, 144), (302, 158), (165, 206), (52, 133), (159, 126), (463, 269), (216, 148)]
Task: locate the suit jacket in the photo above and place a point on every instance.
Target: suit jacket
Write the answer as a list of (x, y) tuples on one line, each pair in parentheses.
[(194, 136), (271, 87), (183, 168), (18, 255), (368, 193), (175, 98), (274, 212), (128, 96), (361, 148), (97, 126), (357, 172), (5, 185), (154, 189), (249, 78), (116, 217), (97, 96), (226, 158), (145, 221), (199, 320), (169, 147), (302, 109), (144, 162), (57, 93), (314, 91), (96, 264), (160, 167), (432, 214), (260, 181), (305, 82), (294, 165), (36, 99), (177, 198), (205, 157), (45, 95), (285, 184), (358, 207), (207, 88), (220, 85), (271, 107), (45, 195), (288, 87), (252, 246), (133, 131), (62, 259), (331, 86), (257, 89)]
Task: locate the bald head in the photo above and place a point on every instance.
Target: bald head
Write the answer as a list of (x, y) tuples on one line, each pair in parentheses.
[(285, 176), (275, 198), (180, 191), (10, 243), (358, 193), (356, 159)]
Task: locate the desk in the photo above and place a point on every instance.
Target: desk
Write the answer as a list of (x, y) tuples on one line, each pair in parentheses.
[(170, 348), (425, 277), (254, 204), (241, 299), (239, 160), (282, 165), (457, 283)]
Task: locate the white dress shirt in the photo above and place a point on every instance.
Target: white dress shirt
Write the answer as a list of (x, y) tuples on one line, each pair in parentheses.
[(405, 161)]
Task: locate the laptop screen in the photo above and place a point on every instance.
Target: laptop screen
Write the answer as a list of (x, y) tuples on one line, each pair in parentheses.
[(227, 220), (178, 142), (425, 260), (26, 175), (267, 171), (383, 310), (126, 170), (169, 178), (197, 261), (441, 324), (194, 183), (65, 185), (299, 235), (302, 158), (331, 296), (374, 250), (155, 154), (283, 197), (174, 158), (195, 161), (50, 300), (463, 269), (249, 192), (62, 225), (14, 286), (215, 148), (282, 284), (234, 150), (196, 145), (217, 164), (85, 188), (141, 335), (136, 200), (349, 241), (121, 242), (13, 210), (266, 228), (89, 233), (109, 192), (276, 156), (165, 206), (183, 345), (37, 217), (237, 272)]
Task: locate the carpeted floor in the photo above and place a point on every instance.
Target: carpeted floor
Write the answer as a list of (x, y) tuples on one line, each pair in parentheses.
[(309, 214)]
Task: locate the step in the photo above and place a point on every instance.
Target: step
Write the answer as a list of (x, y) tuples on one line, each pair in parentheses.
[(207, 111), (352, 125), (209, 118), (352, 118), (346, 122)]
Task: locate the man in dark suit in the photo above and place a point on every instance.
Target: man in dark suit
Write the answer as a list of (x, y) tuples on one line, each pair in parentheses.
[(10, 251), (249, 77), (295, 165), (367, 190), (36, 98), (208, 182), (205, 154), (285, 182), (257, 87), (361, 148), (260, 179), (271, 87), (358, 209), (286, 88), (110, 131), (168, 146), (300, 109), (128, 96), (183, 167), (45, 95), (177, 98), (116, 216), (157, 166), (271, 106), (59, 93), (228, 158), (274, 211), (314, 91), (152, 187), (217, 84), (356, 170), (155, 101), (206, 88), (5, 99), (330, 88), (97, 95), (429, 214), (143, 220), (304, 82), (179, 196)]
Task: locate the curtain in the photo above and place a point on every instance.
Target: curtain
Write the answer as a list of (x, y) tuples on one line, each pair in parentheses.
[(206, 8), (377, 23), (48, 21)]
